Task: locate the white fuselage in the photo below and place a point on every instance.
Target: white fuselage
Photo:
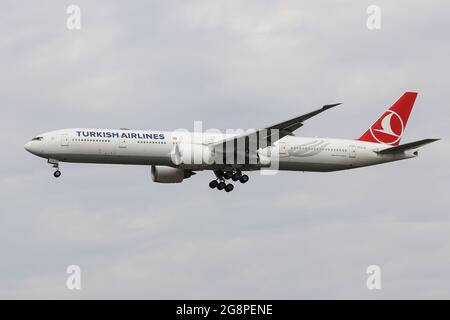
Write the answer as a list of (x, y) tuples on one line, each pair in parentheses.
[(110, 146)]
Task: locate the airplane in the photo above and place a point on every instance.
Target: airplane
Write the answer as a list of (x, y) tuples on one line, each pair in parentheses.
[(178, 155)]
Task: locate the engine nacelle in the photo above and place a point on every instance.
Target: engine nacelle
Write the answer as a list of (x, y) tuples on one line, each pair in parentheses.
[(265, 156), (165, 174)]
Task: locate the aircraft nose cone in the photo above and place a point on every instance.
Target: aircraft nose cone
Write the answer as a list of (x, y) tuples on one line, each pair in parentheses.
[(30, 147)]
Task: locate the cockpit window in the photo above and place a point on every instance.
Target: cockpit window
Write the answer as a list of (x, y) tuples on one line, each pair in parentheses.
[(37, 139)]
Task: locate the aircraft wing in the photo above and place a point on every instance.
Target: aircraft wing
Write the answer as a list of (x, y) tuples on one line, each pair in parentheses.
[(276, 131)]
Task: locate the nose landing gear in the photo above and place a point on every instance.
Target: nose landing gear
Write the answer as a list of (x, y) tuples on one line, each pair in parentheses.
[(55, 164), (220, 183)]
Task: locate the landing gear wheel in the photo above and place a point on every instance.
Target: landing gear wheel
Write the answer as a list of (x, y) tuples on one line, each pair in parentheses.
[(236, 176), (213, 184), (229, 187), (221, 185), (227, 175), (57, 174), (244, 178)]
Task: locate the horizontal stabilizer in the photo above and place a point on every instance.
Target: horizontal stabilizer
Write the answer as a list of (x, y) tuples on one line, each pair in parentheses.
[(407, 146)]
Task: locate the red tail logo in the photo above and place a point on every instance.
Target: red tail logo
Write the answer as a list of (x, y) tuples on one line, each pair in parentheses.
[(389, 128)]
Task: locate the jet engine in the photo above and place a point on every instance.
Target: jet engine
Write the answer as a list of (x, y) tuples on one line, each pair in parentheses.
[(265, 156), (165, 174)]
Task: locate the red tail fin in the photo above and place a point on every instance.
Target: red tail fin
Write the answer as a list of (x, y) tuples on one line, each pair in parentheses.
[(390, 127)]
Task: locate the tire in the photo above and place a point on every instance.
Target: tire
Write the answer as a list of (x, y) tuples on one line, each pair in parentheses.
[(213, 184), (236, 177), (57, 174), (228, 175), (244, 178), (221, 185), (229, 187)]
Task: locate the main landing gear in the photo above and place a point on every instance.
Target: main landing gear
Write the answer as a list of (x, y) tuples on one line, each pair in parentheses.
[(220, 183), (55, 164)]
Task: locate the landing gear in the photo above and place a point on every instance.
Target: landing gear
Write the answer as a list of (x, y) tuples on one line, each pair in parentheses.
[(227, 175), (220, 182), (229, 187), (236, 176), (243, 179), (55, 164), (213, 184), (221, 185)]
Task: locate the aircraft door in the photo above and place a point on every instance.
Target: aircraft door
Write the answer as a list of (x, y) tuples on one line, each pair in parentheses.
[(122, 143), (352, 152), (177, 139), (283, 150), (64, 140)]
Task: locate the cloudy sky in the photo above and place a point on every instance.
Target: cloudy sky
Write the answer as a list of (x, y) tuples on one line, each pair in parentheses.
[(231, 64)]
